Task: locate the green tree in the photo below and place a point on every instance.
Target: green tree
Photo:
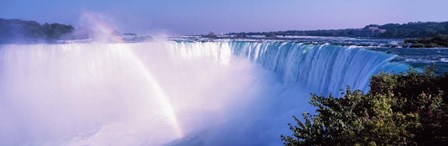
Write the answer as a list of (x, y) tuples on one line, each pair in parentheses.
[(400, 109)]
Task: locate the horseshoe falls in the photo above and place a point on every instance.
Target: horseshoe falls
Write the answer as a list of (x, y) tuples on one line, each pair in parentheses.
[(171, 92), (323, 68)]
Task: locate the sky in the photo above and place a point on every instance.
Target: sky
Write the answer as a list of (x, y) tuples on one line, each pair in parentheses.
[(221, 16)]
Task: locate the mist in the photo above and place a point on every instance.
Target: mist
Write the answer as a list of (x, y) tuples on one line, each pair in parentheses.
[(106, 91), (153, 93)]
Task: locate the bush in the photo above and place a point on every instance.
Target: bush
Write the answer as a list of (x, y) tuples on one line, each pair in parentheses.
[(400, 109)]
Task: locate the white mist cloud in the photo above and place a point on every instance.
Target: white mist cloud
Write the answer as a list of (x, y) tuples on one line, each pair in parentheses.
[(106, 94)]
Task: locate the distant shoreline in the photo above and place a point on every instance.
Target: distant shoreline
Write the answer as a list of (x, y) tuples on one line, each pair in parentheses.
[(391, 30), (16, 31), (408, 35)]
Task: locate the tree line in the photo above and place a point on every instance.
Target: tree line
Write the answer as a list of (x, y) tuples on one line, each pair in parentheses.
[(15, 30), (392, 30)]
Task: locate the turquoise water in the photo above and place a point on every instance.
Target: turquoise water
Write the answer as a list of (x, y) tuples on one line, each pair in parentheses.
[(322, 68)]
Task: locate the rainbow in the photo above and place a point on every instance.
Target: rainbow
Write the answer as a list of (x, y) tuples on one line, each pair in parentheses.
[(100, 29), (104, 28)]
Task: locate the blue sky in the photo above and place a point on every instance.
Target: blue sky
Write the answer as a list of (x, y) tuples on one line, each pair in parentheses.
[(201, 16)]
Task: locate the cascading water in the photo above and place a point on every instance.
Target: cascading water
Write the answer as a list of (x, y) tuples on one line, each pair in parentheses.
[(179, 93), (322, 68)]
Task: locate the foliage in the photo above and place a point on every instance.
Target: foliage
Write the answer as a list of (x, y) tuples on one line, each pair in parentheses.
[(55, 31), (407, 30), (400, 109), (270, 35), (414, 29), (14, 30), (210, 35), (436, 41)]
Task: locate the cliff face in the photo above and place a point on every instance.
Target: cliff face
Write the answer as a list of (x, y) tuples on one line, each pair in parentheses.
[(20, 31)]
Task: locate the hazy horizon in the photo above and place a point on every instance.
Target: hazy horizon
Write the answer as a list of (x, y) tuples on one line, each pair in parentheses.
[(201, 16)]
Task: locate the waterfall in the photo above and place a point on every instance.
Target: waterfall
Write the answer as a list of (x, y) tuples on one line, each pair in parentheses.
[(322, 68), (170, 92)]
